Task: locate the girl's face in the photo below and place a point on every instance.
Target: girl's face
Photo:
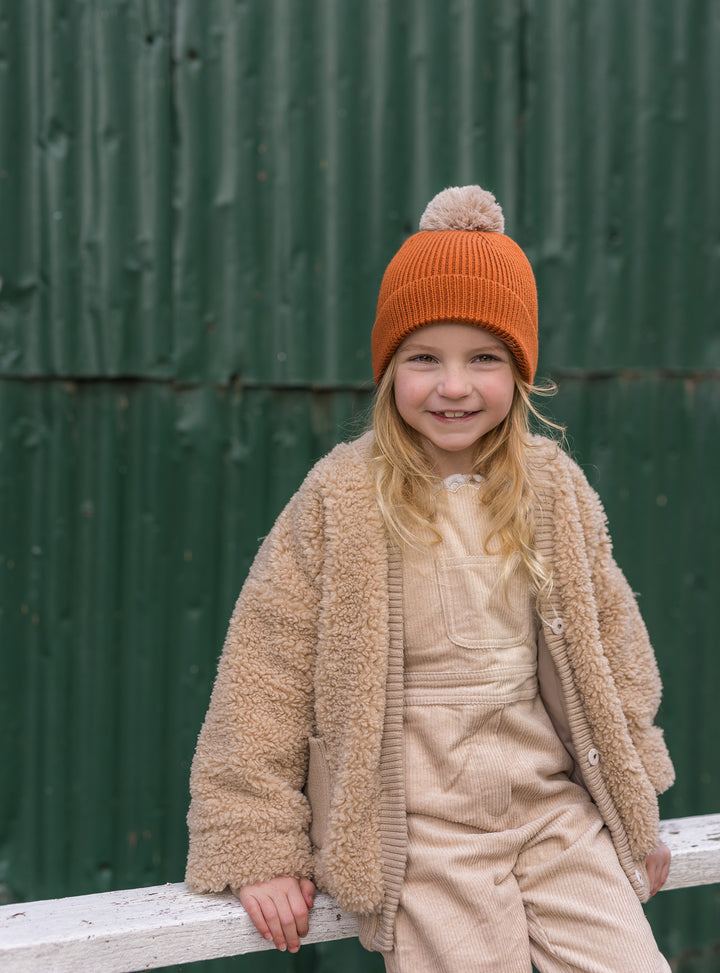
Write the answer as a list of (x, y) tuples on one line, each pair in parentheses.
[(453, 384)]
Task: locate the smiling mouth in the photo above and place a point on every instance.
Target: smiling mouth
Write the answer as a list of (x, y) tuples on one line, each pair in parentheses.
[(453, 414)]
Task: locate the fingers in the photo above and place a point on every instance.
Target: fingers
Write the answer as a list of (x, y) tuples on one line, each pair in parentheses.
[(658, 867), (661, 874), (279, 909)]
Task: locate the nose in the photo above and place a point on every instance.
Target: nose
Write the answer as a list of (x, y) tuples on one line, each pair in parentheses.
[(454, 383)]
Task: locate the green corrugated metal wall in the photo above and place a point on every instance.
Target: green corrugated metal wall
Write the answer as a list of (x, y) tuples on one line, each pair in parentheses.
[(197, 201)]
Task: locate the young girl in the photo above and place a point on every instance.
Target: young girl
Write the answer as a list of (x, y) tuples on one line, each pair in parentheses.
[(436, 696)]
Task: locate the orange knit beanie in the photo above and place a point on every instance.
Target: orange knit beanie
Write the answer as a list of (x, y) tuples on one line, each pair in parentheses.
[(460, 268)]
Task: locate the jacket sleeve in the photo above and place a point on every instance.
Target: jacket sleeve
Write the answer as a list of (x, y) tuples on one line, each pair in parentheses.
[(248, 818), (625, 642)]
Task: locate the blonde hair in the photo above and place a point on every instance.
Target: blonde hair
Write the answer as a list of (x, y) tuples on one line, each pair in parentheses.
[(405, 480)]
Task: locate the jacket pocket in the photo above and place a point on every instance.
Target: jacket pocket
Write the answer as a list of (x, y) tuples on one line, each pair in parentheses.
[(317, 790)]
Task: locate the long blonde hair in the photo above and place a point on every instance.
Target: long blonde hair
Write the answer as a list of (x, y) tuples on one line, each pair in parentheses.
[(405, 480)]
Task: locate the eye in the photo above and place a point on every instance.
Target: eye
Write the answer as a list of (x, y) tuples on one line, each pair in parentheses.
[(423, 357)]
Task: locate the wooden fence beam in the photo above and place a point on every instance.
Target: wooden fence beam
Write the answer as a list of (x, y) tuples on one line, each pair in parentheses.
[(695, 846), (143, 929)]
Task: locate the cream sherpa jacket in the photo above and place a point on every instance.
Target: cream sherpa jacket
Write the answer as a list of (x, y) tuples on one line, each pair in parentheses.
[(298, 768)]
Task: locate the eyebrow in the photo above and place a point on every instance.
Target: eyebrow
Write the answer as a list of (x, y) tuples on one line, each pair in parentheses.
[(417, 346)]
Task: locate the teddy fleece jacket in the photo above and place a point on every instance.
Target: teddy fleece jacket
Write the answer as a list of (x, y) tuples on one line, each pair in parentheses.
[(298, 768)]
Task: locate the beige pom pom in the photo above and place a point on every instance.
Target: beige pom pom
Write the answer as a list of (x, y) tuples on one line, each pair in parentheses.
[(463, 208)]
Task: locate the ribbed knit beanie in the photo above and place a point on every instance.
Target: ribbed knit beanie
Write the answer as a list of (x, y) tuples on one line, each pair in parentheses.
[(460, 268)]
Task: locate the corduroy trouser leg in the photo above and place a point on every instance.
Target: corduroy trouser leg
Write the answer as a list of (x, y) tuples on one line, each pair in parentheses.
[(551, 892)]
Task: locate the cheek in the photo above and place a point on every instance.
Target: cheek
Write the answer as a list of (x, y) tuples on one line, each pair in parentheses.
[(509, 398), (504, 395), (409, 393)]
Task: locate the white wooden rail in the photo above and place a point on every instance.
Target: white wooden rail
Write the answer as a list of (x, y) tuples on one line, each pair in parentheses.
[(143, 929)]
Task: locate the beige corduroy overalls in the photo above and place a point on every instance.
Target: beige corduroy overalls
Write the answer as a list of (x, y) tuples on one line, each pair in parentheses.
[(508, 860)]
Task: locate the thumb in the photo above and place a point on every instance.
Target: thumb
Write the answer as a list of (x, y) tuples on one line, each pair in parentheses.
[(308, 891)]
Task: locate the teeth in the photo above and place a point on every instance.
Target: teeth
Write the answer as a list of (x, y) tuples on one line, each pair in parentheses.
[(453, 415)]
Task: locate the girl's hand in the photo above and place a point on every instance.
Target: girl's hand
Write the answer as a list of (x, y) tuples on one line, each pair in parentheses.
[(279, 909), (658, 865)]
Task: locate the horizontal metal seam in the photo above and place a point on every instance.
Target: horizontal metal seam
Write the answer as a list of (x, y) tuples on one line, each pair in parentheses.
[(625, 375)]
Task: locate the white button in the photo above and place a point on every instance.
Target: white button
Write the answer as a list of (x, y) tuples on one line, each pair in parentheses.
[(593, 757), (556, 626)]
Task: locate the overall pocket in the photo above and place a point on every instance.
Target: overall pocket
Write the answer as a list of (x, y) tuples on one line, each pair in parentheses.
[(481, 611)]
